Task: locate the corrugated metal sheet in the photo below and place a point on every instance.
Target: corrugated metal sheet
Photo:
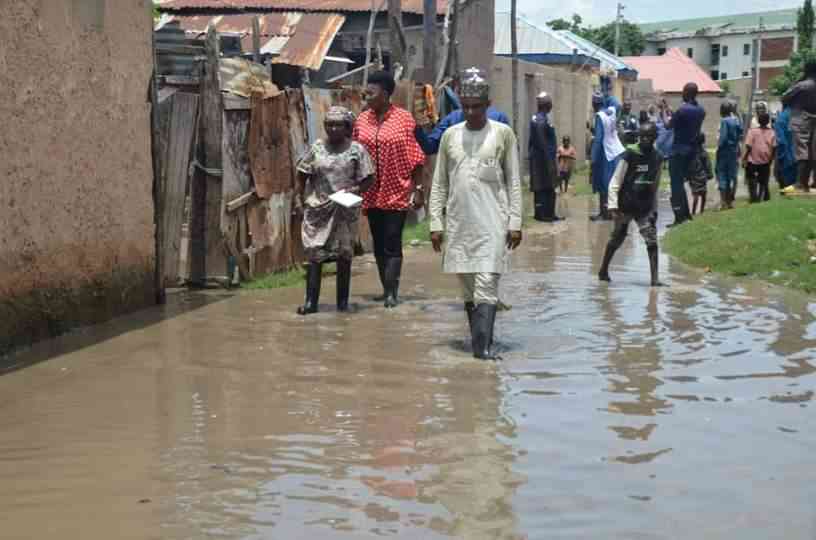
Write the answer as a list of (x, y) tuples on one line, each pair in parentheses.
[(311, 40), (532, 39), (297, 38), (408, 6), (608, 60)]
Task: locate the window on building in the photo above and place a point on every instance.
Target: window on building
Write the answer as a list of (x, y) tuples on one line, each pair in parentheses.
[(715, 54), (723, 76), (661, 51), (690, 52), (746, 74), (725, 50), (715, 74), (746, 49)]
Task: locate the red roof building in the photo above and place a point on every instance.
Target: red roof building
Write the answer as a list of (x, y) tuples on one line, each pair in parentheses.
[(671, 71)]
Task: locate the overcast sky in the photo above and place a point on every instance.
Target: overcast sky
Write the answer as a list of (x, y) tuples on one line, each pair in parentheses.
[(602, 11)]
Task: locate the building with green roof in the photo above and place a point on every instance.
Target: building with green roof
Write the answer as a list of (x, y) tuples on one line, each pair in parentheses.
[(731, 46)]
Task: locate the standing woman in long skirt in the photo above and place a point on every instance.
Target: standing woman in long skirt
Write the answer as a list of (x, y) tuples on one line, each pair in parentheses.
[(331, 165)]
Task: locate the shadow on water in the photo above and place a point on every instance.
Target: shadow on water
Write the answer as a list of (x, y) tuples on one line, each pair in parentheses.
[(177, 304)]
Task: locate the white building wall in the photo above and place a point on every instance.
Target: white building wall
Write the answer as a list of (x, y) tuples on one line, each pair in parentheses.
[(736, 64), (700, 46)]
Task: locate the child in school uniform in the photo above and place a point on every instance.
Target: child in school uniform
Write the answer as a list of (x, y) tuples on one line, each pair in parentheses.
[(760, 150)]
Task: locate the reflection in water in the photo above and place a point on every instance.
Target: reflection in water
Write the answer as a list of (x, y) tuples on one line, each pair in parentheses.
[(619, 412)]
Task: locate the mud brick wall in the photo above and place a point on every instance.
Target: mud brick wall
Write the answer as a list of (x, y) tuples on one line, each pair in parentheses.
[(571, 94), (76, 210)]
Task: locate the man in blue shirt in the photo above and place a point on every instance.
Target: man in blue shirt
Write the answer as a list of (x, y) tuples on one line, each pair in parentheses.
[(429, 142), (685, 123)]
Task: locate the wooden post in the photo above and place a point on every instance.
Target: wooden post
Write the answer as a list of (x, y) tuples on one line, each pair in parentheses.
[(256, 39), (206, 251), (397, 37), (448, 64), (514, 70), (429, 44), (158, 184), (369, 37)]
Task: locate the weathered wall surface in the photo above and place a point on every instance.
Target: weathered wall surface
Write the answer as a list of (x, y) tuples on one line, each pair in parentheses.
[(76, 225), (571, 94)]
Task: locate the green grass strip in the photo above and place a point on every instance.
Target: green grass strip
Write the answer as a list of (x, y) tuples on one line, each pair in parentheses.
[(768, 241)]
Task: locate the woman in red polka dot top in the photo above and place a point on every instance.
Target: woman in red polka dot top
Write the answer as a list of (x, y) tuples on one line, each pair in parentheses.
[(387, 132)]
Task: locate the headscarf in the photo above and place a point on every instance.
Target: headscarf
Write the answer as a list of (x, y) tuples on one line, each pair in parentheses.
[(338, 113)]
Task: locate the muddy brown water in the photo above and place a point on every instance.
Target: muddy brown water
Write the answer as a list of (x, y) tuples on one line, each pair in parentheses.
[(618, 412)]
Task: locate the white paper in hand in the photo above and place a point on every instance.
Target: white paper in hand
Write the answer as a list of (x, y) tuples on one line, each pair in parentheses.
[(344, 198)]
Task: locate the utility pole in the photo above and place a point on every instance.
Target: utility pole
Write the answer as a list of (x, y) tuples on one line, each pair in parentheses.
[(429, 45), (397, 38), (514, 63), (618, 20)]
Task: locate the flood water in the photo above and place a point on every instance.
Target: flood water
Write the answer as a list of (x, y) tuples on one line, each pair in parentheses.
[(618, 411)]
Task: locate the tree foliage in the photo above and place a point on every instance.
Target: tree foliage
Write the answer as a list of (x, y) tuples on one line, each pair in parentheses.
[(632, 40), (794, 71), (805, 25)]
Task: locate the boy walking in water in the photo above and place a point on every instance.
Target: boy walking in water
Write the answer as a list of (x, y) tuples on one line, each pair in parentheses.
[(760, 150), (633, 197), (566, 162)]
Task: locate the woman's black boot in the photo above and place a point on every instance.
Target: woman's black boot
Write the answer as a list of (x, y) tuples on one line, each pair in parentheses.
[(313, 276), (343, 283), (393, 268)]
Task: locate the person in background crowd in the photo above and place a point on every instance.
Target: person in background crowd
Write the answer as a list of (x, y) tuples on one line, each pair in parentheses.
[(685, 123), (785, 162), (633, 197), (801, 98), (606, 150), (329, 230), (700, 173), (654, 117), (387, 132), (429, 142), (475, 208), (643, 117), (728, 156), (760, 149), (566, 162), (542, 151), (760, 108), (628, 125)]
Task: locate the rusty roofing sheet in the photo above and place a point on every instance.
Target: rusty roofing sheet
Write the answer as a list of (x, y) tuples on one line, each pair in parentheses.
[(309, 44), (409, 6), (298, 38)]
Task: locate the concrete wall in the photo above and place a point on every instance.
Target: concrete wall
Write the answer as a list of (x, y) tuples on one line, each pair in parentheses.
[(76, 226), (571, 93)]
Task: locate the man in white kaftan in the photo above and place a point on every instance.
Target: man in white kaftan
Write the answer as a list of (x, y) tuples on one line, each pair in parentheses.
[(476, 204)]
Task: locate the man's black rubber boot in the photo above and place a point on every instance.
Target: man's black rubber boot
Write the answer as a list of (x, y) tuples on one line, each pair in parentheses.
[(653, 266), (314, 273), (393, 268), (484, 319), (343, 284)]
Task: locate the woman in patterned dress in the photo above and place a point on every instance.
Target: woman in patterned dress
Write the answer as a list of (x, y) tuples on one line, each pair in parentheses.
[(329, 231), (387, 132)]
